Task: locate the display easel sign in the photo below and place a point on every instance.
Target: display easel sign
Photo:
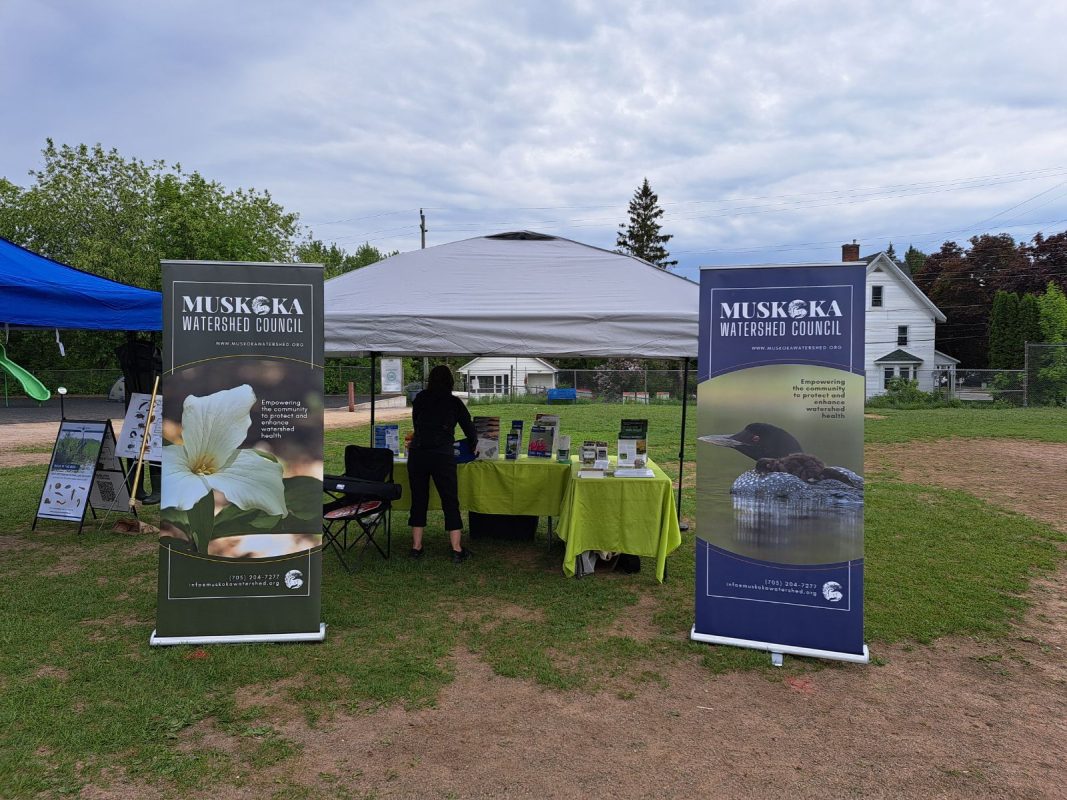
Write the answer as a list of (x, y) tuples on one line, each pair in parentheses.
[(84, 473), (109, 490), (138, 418)]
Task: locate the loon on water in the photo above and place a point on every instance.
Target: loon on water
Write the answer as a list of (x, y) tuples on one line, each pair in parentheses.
[(783, 469)]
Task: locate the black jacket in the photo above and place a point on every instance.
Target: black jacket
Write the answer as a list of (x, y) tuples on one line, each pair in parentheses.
[(435, 416)]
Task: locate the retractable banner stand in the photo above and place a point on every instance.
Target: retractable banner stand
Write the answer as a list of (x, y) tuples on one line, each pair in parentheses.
[(240, 555), (779, 562)]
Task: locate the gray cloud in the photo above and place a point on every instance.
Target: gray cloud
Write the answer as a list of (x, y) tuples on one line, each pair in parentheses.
[(755, 123)]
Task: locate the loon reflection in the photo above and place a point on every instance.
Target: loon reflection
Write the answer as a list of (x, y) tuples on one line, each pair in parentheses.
[(784, 471)]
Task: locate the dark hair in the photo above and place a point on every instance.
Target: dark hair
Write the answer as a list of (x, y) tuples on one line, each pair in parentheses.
[(441, 379)]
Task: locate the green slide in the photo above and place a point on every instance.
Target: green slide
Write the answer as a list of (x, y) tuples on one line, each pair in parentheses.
[(34, 388)]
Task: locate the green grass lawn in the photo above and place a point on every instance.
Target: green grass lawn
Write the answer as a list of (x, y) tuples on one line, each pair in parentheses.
[(82, 692)]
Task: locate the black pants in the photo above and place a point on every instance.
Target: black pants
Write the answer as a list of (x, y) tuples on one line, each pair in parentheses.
[(422, 466)]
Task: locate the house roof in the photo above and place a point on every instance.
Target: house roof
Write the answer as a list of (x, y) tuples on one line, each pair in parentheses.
[(881, 260), (944, 357), (547, 367), (898, 356)]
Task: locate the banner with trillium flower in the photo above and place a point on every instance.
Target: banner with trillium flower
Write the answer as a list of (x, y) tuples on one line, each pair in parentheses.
[(240, 554)]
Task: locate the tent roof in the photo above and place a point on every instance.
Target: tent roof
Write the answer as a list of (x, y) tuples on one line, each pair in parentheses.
[(514, 294), (37, 292)]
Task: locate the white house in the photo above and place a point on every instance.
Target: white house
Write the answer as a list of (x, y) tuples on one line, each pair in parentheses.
[(501, 375), (901, 321)]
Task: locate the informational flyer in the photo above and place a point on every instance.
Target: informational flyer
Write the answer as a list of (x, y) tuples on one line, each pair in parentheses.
[(241, 508), (392, 375), (140, 417), (780, 485), (65, 495)]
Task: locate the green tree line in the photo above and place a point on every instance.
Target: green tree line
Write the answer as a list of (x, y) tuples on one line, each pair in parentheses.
[(118, 217)]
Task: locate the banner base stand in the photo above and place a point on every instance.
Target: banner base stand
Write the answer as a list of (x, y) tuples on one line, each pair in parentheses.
[(777, 651), (244, 638)]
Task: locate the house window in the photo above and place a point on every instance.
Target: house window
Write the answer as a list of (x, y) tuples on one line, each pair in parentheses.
[(888, 377), (905, 373), (902, 335), (876, 297)]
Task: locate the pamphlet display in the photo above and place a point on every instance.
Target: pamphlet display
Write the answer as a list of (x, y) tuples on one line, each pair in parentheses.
[(488, 430), (139, 418), (780, 488), (387, 437), (633, 443), (240, 551)]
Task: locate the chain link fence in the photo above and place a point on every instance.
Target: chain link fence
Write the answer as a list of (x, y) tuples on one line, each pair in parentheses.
[(638, 386), (1006, 386), (1046, 374)]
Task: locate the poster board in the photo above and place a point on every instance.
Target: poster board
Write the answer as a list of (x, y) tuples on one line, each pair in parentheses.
[(138, 417), (84, 473)]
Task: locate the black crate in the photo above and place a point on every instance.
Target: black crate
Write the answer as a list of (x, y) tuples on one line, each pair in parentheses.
[(501, 526)]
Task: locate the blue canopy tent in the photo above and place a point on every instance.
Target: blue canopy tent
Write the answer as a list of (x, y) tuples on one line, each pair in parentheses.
[(36, 292)]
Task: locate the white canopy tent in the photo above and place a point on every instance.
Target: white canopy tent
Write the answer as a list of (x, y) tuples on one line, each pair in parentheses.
[(514, 294)]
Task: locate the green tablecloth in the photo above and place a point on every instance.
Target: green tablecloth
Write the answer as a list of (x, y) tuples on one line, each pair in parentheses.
[(623, 515), (530, 486)]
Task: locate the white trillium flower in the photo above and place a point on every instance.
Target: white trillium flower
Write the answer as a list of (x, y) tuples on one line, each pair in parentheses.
[(213, 427)]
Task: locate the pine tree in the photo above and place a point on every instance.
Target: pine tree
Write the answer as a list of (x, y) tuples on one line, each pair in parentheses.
[(914, 260), (889, 251), (1005, 345), (642, 237), (1029, 320)]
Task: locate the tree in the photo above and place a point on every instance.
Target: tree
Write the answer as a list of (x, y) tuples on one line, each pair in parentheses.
[(1053, 308), (1048, 375), (118, 217), (1048, 257), (335, 259), (914, 260), (642, 237), (889, 251), (1005, 340), (1029, 319)]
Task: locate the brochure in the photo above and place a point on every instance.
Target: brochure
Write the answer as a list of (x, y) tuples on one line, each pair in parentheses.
[(514, 442), (488, 430), (387, 437), (540, 441), (549, 421)]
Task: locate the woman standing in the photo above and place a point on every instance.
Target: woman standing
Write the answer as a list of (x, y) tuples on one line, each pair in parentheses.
[(435, 414)]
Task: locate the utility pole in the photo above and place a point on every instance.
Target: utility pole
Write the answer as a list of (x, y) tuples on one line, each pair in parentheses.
[(425, 361)]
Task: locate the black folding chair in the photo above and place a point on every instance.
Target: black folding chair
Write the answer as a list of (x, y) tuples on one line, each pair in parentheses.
[(364, 495)]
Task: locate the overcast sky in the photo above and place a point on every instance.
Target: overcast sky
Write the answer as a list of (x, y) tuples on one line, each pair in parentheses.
[(771, 131)]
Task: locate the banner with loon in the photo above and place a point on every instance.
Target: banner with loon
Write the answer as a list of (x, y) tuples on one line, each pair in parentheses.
[(240, 549), (779, 559)]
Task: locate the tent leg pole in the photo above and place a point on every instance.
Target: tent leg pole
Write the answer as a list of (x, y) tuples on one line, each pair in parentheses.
[(372, 373), (681, 449)]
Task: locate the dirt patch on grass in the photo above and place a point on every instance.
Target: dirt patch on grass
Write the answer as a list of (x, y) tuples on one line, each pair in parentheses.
[(1028, 477), (492, 616), (635, 622), (55, 673)]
